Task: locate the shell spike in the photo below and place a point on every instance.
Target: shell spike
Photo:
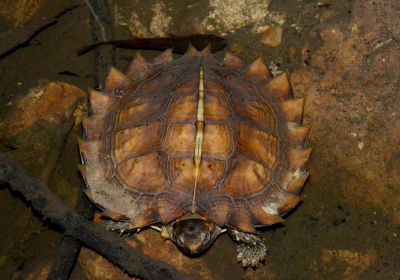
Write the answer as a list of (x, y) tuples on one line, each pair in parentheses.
[(293, 109), (297, 133), (290, 201), (190, 53), (206, 52), (298, 157), (115, 78), (100, 103), (139, 68), (233, 61), (279, 87), (258, 70), (163, 59), (293, 181)]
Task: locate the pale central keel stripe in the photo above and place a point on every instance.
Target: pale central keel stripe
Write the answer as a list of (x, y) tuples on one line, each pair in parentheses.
[(199, 136)]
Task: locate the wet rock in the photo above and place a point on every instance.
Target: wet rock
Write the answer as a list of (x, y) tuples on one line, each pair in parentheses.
[(162, 18), (33, 117), (272, 37)]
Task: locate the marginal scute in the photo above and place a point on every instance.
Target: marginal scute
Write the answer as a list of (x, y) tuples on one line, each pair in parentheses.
[(93, 127), (292, 109), (139, 68), (206, 52), (169, 208), (147, 212), (115, 79), (190, 54), (218, 209), (288, 202), (262, 218), (233, 61), (278, 88), (89, 150), (293, 181), (239, 218), (162, 60), (258, 71), (100, 103), (297, 133), (298, 157)]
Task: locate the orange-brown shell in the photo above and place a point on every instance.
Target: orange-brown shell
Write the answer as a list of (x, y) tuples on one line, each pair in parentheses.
[(139, 142)]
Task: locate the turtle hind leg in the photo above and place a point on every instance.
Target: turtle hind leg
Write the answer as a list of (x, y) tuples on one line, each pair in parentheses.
[(113, 221), (251, 250), (119, 226)]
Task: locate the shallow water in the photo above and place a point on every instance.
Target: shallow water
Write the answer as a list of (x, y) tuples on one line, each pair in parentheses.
[(342, 55)]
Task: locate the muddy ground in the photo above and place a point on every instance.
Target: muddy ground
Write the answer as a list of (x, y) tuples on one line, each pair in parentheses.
[(343, 56)]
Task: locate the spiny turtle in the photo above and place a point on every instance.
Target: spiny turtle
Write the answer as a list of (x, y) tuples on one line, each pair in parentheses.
[(198, 147)]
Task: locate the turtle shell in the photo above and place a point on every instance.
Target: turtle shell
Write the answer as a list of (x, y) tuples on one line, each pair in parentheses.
[(221, 139)]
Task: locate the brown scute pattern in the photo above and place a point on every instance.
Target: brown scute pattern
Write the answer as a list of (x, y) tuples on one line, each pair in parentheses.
[(142, 139), (143, 173), (180, 139), (287, 202), (260, 216), (217, 109), (160, 85), (245, 104), (189, 86), (183, 108), (292, 109), (297, 133), (139, 68), (245, 177), (170, 206), (141, 109), (211, 174), (214, 86), (278, 88), (115, 79), (94, 127), (147, 212), (100, 103), (217, 207), (239, 218), (293, 181), (181, 174), (218, 141), (258, 144), (258, 71), (137, 140), (233, 61), (298, 157)]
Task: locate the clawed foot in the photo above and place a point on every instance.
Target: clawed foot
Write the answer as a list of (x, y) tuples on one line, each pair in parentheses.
[(251, 255), (251, 250)]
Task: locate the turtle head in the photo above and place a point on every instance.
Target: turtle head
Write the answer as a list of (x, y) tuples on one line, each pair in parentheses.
[(193, 235)]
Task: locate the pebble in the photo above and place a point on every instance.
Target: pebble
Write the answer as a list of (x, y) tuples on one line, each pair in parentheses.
[(272, 37)]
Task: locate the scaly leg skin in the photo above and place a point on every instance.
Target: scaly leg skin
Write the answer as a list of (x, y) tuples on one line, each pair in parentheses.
[(251, 250), (119, 226)]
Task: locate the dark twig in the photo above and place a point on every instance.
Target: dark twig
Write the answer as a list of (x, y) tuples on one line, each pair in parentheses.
[(105, 243)]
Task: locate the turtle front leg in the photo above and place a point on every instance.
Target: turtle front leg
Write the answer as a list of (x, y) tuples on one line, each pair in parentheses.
[(251, 250)]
